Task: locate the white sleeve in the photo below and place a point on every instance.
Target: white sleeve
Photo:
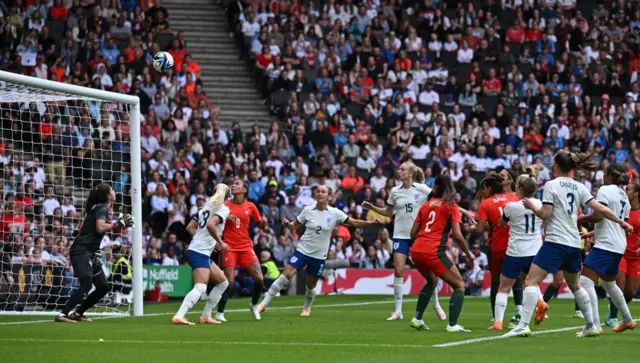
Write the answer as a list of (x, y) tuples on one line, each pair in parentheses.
[(548, 194), (585, 195), (340, 216), (424, 188), (302, 217), (506, 215), (223, 213), (601, 197), (391, 199)]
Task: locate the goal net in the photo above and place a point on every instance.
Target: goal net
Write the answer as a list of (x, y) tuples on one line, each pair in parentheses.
[(57, 142)]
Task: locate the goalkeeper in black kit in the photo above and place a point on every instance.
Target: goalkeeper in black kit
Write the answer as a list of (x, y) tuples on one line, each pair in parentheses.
[(85, 253)]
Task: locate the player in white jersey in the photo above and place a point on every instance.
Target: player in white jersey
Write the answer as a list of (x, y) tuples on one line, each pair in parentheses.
[(610, 243), (524, 240), (562, 198), (211, 220), (319, 223), (404, 202)]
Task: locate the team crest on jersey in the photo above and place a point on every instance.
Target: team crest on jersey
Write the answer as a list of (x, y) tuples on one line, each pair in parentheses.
[(416, 196), (329, 219), (246, 212)]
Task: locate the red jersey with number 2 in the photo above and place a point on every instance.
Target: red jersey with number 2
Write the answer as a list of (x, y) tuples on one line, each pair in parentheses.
[(491, 210), (236, 230), (435, 218)]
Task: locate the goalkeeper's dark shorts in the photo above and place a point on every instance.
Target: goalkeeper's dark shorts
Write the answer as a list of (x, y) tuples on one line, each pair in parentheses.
[(85, 264)]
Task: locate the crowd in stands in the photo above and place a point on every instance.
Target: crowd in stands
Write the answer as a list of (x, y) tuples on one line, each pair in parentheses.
[(458, 87)]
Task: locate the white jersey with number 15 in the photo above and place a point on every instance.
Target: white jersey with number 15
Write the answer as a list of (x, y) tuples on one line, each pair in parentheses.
[(407, 203)]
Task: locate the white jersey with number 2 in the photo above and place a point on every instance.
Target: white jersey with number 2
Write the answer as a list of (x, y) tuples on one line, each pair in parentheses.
[(202, 241), (318, 227), (525, 238), (566, 196), (609, 235), (407, 203)]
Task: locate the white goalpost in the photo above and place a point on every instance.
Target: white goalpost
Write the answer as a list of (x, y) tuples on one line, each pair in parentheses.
[(57, 142)]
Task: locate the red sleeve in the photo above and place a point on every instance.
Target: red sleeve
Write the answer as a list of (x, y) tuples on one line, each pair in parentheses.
[(482, 211), (456, 216), (421, 213), (255, 214)]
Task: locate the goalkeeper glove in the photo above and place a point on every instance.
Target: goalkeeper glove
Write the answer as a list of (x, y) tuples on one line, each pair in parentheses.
[(125, 220)]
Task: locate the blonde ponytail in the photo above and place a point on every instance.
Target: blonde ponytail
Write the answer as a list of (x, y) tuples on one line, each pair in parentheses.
[(220, 196), (528, 182), (418, 174)]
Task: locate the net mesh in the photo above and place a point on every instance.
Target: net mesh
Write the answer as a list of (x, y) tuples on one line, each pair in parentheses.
[(54, 148)]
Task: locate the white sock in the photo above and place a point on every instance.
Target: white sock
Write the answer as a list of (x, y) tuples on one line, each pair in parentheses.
[(434, 297), (584, 304), (214, 297), (540, 295), (397, 294), (309, 296), (590, 287), (191, 299), (529, 301), (617, 297), (501, 306), (277, 286)]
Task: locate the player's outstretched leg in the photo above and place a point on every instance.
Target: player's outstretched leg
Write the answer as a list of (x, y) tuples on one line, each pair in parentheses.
[(399, 261), (589, 286), (101, 289), (255, 272), (75, 299), (517, 300), (280, 284), (584, 304), (188, 302), (617, 297), (215, 295), (425, 295), (436, 303)]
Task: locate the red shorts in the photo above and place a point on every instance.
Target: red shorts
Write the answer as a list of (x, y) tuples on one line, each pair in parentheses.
[(630, 266), (496, 259), (438, 263), (238, 258)]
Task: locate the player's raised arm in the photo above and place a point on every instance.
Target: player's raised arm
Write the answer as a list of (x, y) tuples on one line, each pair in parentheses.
[(293, 225), (607, 213), (389, 211), (358, 223)]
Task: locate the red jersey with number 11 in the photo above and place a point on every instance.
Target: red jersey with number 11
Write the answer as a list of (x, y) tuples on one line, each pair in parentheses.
[(435, 218), (236, 230), (491, 210)]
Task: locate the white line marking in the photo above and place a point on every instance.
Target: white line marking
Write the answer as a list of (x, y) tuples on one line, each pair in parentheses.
[(497, 337), (227, 311), (208, 342)]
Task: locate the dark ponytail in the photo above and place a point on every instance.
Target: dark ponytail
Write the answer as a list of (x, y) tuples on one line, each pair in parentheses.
[(99, 194), (493, 182), (568, 161), (443, 188), (617, 173)]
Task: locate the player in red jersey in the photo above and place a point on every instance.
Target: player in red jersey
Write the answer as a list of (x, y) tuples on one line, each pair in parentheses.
[(240, 253), (629, 270), (489, 215), (436, 219)]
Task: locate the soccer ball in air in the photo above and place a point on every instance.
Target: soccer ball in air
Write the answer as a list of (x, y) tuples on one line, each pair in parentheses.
[(162, 61)]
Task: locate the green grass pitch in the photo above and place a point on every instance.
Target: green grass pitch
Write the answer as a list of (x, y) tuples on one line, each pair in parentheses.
[(340, 329)]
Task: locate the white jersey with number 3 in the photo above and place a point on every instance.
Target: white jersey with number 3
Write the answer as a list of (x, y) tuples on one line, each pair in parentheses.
[(566, 196), (407, 203), (318, 228), (202, 241), (524, 229), (609, 235)]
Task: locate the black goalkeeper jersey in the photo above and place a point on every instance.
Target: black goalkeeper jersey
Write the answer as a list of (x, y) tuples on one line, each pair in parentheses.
[(89, 239)]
